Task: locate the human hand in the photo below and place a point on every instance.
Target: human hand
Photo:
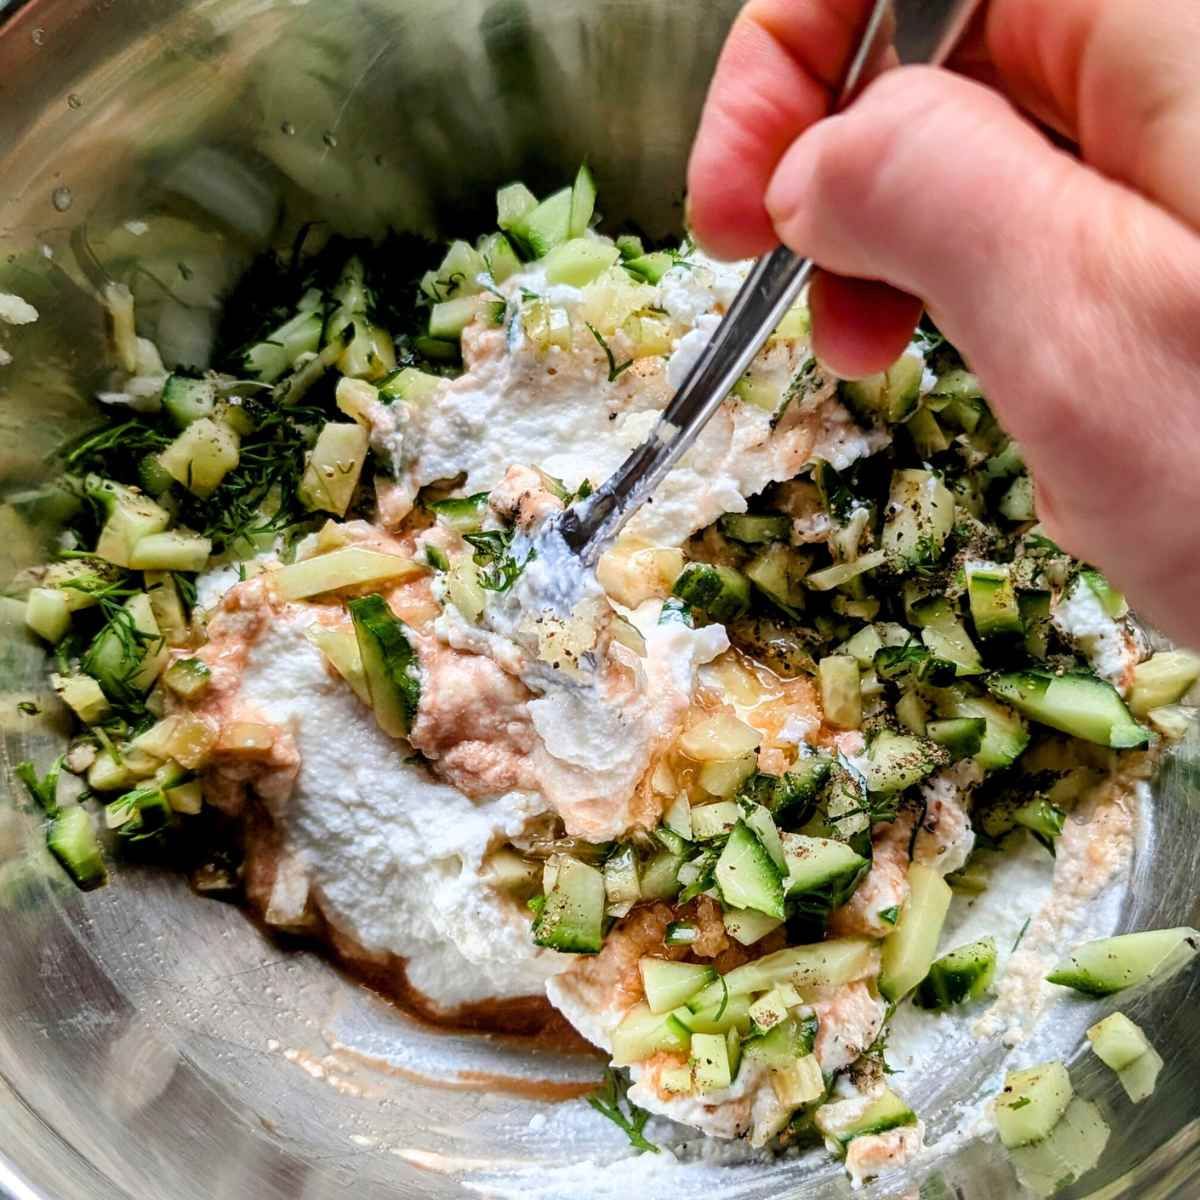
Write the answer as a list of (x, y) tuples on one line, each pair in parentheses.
[(1069, 281)]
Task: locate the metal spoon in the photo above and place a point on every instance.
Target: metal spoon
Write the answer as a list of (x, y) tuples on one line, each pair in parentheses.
[(896, 31)]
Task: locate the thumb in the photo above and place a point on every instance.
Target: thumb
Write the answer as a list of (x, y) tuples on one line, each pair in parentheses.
[(1073, 298)]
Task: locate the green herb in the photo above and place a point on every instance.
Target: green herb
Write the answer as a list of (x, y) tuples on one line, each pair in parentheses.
[(1021, 935), (135, 643), (614, 370), (27, 708), (608, 1102), (43, 790), (1018, 1104), (724, 999), (492, 552), (889, 915), (113, 451)]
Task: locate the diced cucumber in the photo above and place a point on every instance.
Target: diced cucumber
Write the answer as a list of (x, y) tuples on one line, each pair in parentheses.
[(746, 926), (1162, 679), (778, 573), (201, 456), (897, 761), (822, 873), (186, 399), (756, 529), (1110, 965), (841, 690), (927, 434), (127, 654), (333, 466), (719, 738), (1035, 617), (1031, 1103), (1017, 503), (789, 1039), (630, 246), (583, 202), (130, 516), (710, 1062), (714, 820), (885, 1111), (1043, 819), (944, 635), (843, 572), (909, 949), (721, 592), (622, 889), (391, 667), (642, 1034), (513, 201), (727, 1014), (275, 355), (542, 227), (463, 514), (83, 696), (725, 777), (825, 964), (962, 975), (351, 566), (1078, 704), (800, 1082), (171, 550), (579, 261), (459, 271), (48, 613), (186, 798), (187, 677), (572, 918), (772, 1008), (1072, 1148), (410, 386), (913, 713), (762, 824), (993, 599), (72, 839), (891, 395), (747, 876), (499, 258), (961, 736), (669, 984), (1006, 734), (918, 518), (1122, 1045), (650, 268), (449, 318)]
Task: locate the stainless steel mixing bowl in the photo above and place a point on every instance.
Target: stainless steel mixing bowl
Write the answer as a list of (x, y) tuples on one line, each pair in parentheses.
[(153, 1044)]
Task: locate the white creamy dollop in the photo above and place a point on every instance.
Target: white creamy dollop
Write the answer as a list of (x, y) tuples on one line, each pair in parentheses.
[(1110, 647)]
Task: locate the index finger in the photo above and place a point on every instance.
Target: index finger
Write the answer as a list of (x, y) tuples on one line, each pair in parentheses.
[(777, 75)]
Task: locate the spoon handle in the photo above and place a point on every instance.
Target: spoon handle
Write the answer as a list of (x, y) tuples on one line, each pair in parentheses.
[(770, 289)]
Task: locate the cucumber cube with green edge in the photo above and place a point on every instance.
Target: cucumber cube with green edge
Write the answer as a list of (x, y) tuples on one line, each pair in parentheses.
[(513, 201), (756, 529), (1122, 1046), (962, 737), (188, 677), (544, 226), (1018, 502), (747, 876), (128, 653), (1031, 1103), (1006, 735), (572, 918), (824, 964), (842, 1122), (390, 665), (962, 975), (669, 984), (274, 355), (1162, 679), (896, 761), (711, 821), (48, 613), (130, 516), (945, 637), (84, 696), (579, 261), (463, 514), (1112, 964), (1071, 1149), (621, 886), (722, 592), (410, 386), (778, 572), (186, 399), (728, 1013), (333, 466), (890, 395), (499, 258), (770, 1009), (449, 318), (822, 874), (790, 1038), (1079, 704), (800, 1082), (909, 950), (761, 823), (710, 1062), (746, 926), (72, 839), (642, 1034), (993, 599), (650, 268)]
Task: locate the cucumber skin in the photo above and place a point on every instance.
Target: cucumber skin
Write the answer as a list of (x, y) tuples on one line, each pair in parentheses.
[(389, 662), (1110, 972), (962, 975), (1045, 698)]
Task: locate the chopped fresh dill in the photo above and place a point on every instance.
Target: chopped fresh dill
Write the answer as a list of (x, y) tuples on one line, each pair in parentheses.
[(43, 790), (27, 708), (614, 370), (608, 1102), (724, 999), (492, 552), (1020, 936)]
